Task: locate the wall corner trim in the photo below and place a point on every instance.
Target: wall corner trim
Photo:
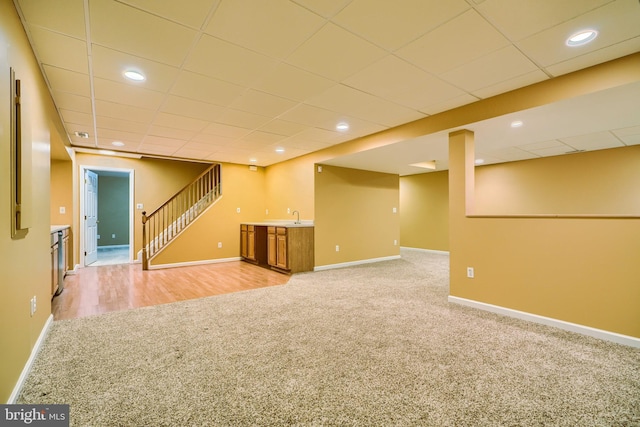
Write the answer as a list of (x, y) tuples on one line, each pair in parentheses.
[(27, 367), (548, 321)]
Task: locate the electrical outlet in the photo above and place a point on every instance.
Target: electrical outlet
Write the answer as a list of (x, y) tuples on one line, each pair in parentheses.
[(395, 210), (113, 236), (470, 272), (139, 206), (237, 210), (266, 212), (35, 304), (63, 210), (98, 237), (288, 210), (219, 244), (395, 243), (337, 248)]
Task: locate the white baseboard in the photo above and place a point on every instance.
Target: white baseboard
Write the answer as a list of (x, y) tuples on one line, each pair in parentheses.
[(432, 251), (191, 263), (548, 321), (352, 263), (27, 367)]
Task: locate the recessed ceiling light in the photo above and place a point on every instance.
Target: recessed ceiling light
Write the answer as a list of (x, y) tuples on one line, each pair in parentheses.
[(279, 150), (253, 160), (581, 37), (134, 75), (118, 143), (342, 126), (516, 123), (107, 152), (84, 135), (479, 161)]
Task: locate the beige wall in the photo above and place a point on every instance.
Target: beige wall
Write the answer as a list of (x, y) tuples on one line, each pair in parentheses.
[(25, 263), (354, 210), (579, 270), (424, 211), (289, 185), (241, 188), (597, 182)]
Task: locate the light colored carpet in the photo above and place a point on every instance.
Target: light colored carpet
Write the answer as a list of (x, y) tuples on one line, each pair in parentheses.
[(376, 344)]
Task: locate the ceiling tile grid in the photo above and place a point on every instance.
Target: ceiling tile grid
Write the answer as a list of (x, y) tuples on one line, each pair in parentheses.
[(243, 77)]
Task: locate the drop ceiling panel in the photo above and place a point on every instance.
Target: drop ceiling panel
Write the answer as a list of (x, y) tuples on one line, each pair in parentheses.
[(172, 133), (629, 135), (593, 141), (191, 153), (242, 119), (283, 127), (520, 19), (62, 16), (335, 53), (391, 25), (191, 108), (68, 81), (110, 64), (118, 125), (226, 131), (440, 106), (139, 33), (310, 115), (324, 136), (298, 144), (262, 103), (403, 83), (616, 22), (455, 43), (274, 28), (77, 118), (174, 143), (135, 96), (351, 102), (240, 65), (60, 51), (193, 16), (599, 56), (511, 84), (107, 136), (293, 83), (206, 89), (125, 112), (69, 101), (325, 8), (179, 122), (482, 73)]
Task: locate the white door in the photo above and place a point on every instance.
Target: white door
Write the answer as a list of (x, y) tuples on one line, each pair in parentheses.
[(90, 217)]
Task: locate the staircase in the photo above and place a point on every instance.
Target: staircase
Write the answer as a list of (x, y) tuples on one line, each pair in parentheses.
[(165, 223)]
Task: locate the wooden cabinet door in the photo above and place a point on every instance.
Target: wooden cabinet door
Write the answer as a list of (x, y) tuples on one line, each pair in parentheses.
[(251, 243), (243, 241), (272, 248), (281, 243)]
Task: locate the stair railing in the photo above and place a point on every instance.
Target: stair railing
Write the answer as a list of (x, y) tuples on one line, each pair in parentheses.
[(165, 223)]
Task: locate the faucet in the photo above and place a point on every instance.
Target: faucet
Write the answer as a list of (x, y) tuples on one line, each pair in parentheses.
[(297, 221)]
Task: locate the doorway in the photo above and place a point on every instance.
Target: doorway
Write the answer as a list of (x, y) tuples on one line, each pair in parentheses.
[(106, 215)]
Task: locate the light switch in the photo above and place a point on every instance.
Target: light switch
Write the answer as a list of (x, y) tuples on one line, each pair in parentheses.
[(139, 206), (63, 210)]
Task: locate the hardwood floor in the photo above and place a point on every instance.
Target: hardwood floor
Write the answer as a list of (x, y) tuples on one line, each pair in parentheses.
[(97, 290)]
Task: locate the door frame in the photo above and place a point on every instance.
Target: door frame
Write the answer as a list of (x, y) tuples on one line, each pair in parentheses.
[(82, 224)]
